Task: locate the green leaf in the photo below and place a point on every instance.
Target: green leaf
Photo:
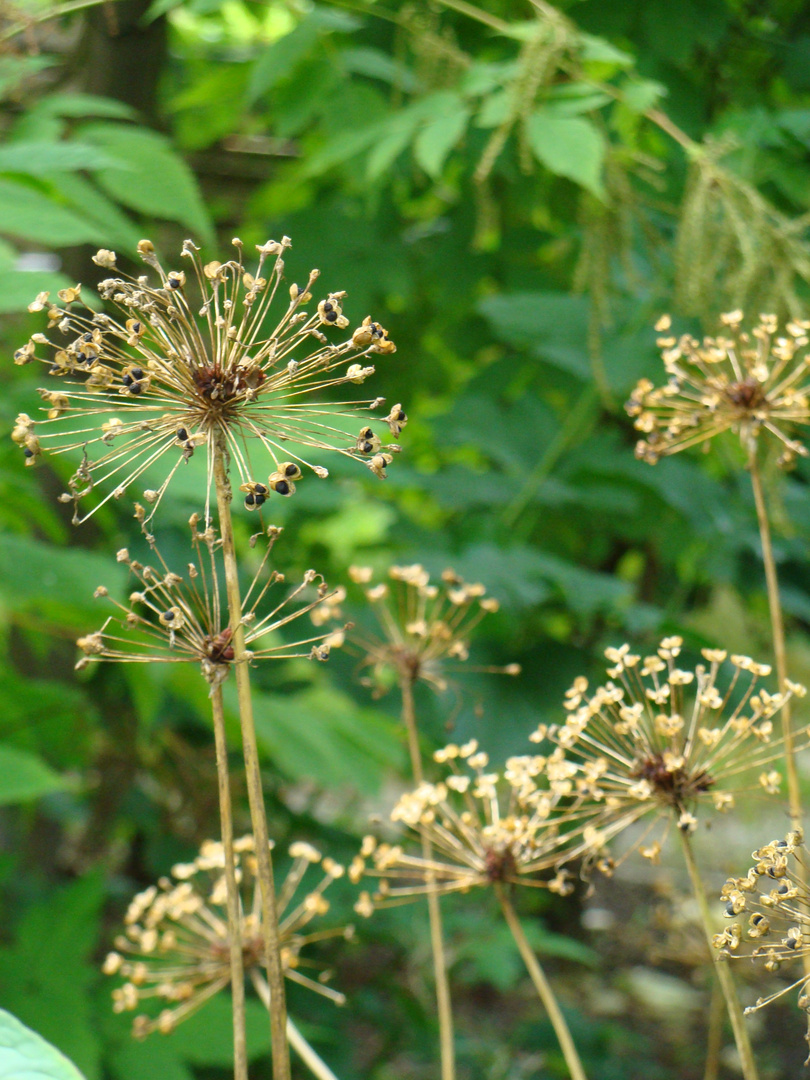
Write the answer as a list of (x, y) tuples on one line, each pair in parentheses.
[(552, 326), (24, 1055), (376, 64), (24, 777), (39, 157), (19, 287), (639, 95), (113, 224), (29, 214), (280, 60), (323, 735), (206, 1038), (438, 137), (568, 146), (151, 178), (600, 51), (392, 140), (82, 106)]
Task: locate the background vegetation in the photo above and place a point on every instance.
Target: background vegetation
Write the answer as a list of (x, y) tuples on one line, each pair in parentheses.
[(517, 194)]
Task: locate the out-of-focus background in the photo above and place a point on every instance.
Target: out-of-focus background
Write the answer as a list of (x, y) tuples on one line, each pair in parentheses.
[(517, 192)]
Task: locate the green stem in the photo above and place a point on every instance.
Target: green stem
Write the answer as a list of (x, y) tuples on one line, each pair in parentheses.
[(240, 1070), (275, 969), (721, 967), (443, 1001), (316, 1065), (542, 986)]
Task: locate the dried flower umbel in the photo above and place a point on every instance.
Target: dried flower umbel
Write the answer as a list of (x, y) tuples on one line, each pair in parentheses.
[(660, 741), (773, 900), (425, 626), (174, 618), (175, 946), (187, 366), (744, 381), (485, 827)]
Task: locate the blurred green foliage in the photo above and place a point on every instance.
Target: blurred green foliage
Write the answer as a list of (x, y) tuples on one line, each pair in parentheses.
[(517, 195)]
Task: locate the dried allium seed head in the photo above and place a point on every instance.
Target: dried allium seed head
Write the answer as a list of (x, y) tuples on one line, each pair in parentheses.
[(423, 628), (484, 827), (176, 949), (187, 365), (744, 381), (176, 618), (663, 741)]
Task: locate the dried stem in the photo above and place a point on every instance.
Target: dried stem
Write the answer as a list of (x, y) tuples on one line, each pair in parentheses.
[(721, 967), (542, 986), (310, 1058), (240, 1070), (714, 1037), (780, 656), (443, 1001), (275, 970)]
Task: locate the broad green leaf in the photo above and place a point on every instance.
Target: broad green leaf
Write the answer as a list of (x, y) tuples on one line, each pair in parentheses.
[(47, 971), (568, 146), (58, 583), (282, 57), (206, 1038), (378, 65), (574, 99), (13, 69), (342, 148), (151, 178), (27, 213), (19, 287), (642, 94), (600, 51), (41, 157), (24, 777), (24, 1055), (396, 134), (83, 105), (114, 225), (495, 108), (324, 736), (438, 137), (550, 325)]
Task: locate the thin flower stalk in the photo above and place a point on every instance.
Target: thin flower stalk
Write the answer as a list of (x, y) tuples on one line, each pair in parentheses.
[(774, 903), (483, 829), (258, 816), (189, 364), (663, 743), (175, 949), (313, 1061), (724, 976)]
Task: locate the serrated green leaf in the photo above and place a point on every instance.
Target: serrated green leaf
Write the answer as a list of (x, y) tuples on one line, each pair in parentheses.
[(600, 51), (29, 214), (642, 94), (152, 178), (41, 157), (392, 140), (438, 137), (114, 225), (281, 58), (568, 146), (25, 777), (24, 1055), (83, 105)]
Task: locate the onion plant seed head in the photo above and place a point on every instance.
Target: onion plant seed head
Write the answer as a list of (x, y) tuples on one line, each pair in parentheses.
[(175, 948), (200, 363), (746, 381)]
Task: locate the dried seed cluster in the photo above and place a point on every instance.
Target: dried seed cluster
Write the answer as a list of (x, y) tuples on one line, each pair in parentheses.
[(746, 382), (175, 946), (187, 365), (176, 618)]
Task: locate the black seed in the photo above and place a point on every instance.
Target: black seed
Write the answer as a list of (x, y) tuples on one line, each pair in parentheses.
[(137, 373), (181, 434), (174, 283), (28, 453), (331, 316), (87, 337), (260, 500), (327, 306), (250, 499), (282, 487), (291, 470), (135, 388), (756, 920), (365, 447), (127, 380), (730, 908), (401, 417), (81, 357), (168, 616), (136, 328), (783, 888), (259, 489)]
